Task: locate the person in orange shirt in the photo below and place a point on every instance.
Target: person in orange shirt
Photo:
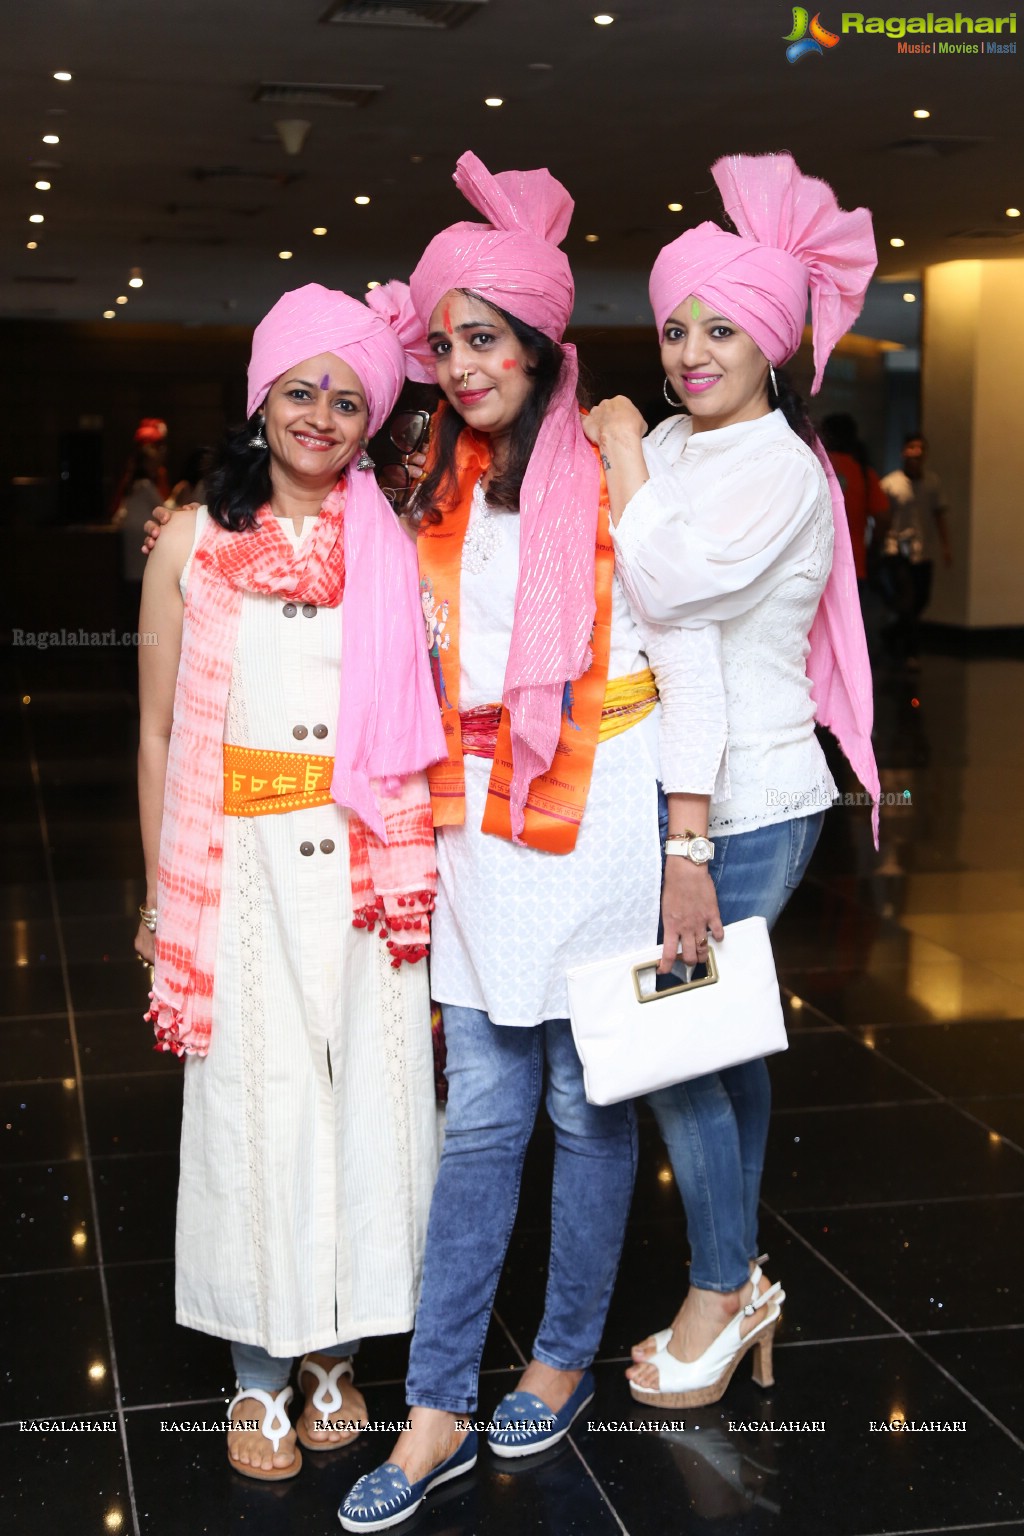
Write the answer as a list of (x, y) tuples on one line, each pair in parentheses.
[(861, 487)]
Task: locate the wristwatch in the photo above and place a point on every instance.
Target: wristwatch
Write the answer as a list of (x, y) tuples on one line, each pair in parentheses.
[(690, 845)]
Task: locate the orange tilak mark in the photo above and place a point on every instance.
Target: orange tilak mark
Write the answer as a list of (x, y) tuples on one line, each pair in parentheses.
[(447, 318)]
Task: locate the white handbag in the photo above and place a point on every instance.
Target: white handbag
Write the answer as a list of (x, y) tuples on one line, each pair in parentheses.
[(633, 1039)]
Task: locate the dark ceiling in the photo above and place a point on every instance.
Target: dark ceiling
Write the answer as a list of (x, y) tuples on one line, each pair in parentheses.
[(169, 161)]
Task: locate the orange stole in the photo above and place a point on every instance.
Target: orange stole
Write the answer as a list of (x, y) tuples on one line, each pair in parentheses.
[(557, 798), (260, 782)]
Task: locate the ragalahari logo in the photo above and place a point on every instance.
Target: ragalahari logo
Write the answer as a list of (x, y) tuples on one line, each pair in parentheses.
[(808, 35)]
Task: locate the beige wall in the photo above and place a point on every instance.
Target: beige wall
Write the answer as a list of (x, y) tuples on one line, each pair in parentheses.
[(972, 389)]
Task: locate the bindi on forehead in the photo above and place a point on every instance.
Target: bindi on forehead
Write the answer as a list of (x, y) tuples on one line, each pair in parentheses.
[(446, 318), (325, 382), (695, 309)]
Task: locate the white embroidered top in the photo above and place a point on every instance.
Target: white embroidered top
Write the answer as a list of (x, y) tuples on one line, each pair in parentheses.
[(734, 526)]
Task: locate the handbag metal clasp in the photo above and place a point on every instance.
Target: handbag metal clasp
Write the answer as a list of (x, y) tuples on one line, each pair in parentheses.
[(683, 986)]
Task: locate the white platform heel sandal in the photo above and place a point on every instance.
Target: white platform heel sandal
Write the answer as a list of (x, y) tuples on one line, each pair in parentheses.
[(695, 1383)]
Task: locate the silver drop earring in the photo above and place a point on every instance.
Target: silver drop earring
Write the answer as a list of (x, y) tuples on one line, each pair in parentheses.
[(775, 382), (676, 405), (364, 461), (258, 440)]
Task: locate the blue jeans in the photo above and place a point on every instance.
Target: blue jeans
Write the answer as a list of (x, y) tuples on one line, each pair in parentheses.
[(495, 1077), (255, 1368), (716, 1127)]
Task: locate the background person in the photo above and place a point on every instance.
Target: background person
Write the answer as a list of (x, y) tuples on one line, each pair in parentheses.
[(918, 523)]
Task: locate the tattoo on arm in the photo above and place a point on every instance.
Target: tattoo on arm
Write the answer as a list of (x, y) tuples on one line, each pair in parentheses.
[(606, 462)]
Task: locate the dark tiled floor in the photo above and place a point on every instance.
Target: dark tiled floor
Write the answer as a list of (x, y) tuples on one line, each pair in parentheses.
[(894, 1194)]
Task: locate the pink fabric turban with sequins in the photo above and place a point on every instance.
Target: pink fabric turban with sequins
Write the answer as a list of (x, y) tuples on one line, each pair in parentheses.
[(315, 319)]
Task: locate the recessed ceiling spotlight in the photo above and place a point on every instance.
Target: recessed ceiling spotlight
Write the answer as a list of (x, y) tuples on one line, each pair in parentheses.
[(36, 218), (1013, 213), (591, 239), (675, 207), (922, 112), (373, 283), (122, 298), (31, 245), (603, 19), (109, 314), (897, 242), (62, 74), (284, 255), (910, 298), (540, 66), (415, 159), (135, 280), (494, 101), (51, 138), (42, 186), (362, 200), (321, 229)]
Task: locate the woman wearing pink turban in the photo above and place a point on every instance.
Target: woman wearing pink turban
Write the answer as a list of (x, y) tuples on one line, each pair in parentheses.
[(731, 514), (287, 718), (546, 813)]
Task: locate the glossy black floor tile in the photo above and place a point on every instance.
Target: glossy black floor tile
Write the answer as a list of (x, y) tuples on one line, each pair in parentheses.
[(40, 1120), (103, 895), (102, 985), (952, 1265), (35, 1048), (120, 1042), (960, 1059), (64, 1367), (829, 1068), (158, 1361), (31, 989), (137, 1199), (987, 1364), (64, 1480), (901, 1152), (46, 1218), (1003, 1115), (134, 1114)]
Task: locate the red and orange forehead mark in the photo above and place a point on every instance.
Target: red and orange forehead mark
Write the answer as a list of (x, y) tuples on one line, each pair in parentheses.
[(508, 362), (446, 317), (325, 382)]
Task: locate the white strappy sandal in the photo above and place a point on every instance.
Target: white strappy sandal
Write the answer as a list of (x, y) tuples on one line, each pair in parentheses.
[(275, 1426), (326, 1399), (695, 1383), (663, 1335)]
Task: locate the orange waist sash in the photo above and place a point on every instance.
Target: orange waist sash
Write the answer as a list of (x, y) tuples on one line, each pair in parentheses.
[(259, 782)]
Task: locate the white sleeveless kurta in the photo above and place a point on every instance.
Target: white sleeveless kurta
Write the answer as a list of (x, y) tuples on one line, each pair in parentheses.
[(309, 1137)]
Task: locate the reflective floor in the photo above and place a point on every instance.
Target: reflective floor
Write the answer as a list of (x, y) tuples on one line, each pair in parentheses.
[(893, 1201)]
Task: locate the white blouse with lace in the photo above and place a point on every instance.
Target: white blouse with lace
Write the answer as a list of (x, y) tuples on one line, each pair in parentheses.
[(734, 528)]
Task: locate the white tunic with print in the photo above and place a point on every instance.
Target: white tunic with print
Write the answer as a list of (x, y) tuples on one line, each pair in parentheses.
[(308, 1146)]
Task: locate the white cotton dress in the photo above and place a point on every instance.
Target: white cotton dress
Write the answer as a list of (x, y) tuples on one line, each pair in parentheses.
[(309, 1137)]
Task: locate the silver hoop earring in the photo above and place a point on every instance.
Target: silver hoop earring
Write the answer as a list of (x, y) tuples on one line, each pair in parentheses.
[(258, 440), (364, 461), (775, 382), (677, 405)]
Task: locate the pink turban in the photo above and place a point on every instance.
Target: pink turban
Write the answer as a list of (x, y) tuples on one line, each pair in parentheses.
[(513, 262), (793, 237), (389, 726), (315, 319)]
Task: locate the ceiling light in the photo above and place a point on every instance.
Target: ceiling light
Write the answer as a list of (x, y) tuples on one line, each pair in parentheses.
[(1013, 213), (361, 200), (897, 242), (372, 284), (109, 314), (321, 229), (51, 138), (62, 74), (591, 239), (910, 298), (36, 218), (494, 101), (604, 19), (675, 207), (32, 245), (922, 112), (284, 255), (122, 298), (42, 186)]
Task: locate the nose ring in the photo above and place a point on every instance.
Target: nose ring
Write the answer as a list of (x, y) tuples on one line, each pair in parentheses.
[(465, 379)]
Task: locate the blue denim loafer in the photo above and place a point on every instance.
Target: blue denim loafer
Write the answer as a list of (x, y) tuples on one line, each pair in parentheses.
[(525, 1425), (385, 1497)]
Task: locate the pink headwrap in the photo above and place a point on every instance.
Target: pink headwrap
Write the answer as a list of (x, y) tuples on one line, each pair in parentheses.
[(793, 239), (514, 263), (389, 723)]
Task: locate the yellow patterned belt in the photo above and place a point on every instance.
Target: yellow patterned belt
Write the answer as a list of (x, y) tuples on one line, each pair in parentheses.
[(627, 701), (264, 783)]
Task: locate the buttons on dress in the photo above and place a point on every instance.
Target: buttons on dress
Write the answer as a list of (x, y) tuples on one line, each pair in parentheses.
[(299, 732), (327, 846), (319, 731), (308, 611), (289, 610), (306, 849)]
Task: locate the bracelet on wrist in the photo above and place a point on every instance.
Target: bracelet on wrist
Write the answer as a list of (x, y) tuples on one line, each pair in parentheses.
[(147, 916)]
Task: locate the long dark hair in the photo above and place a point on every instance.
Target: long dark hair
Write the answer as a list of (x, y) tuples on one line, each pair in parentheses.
[(786, 399), (239, 482), (438, 491)]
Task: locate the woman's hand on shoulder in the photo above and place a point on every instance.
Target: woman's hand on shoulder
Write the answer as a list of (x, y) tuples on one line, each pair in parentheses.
[(616, 418), (161, 516)]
